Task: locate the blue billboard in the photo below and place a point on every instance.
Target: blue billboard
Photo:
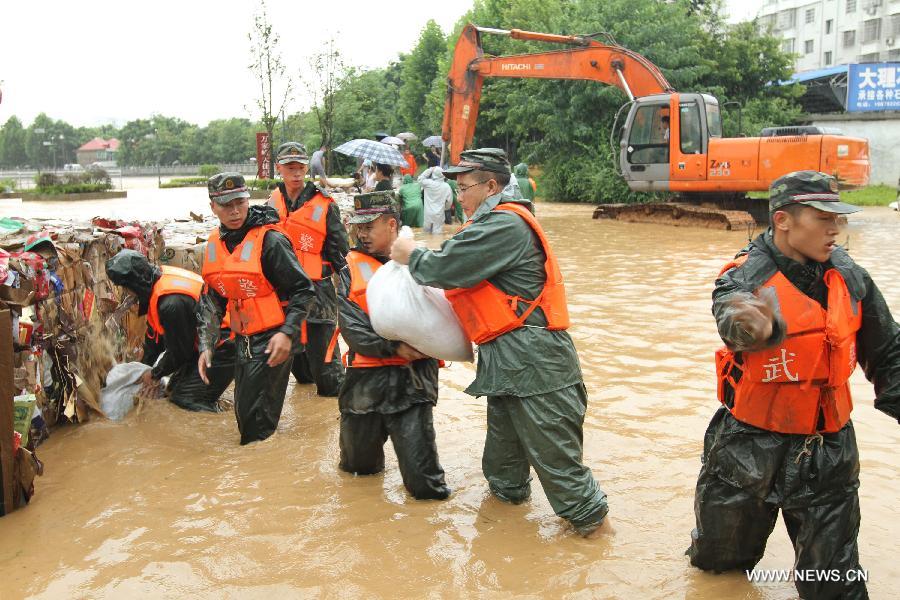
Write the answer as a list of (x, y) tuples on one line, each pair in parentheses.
[(873, 86)]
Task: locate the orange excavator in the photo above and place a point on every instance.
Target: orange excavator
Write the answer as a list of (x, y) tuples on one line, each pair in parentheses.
[(669, 141)]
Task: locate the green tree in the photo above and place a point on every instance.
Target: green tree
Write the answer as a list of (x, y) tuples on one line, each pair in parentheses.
[(41, 130), (275, 86), (12, 144), (328, 74), (419, 70)]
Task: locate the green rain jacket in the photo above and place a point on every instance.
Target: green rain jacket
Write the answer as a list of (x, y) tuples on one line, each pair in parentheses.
[(500, 246), (521, 174), (412, 212)]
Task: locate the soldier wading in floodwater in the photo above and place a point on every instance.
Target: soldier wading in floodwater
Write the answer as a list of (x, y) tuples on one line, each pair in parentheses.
[(796, 314)]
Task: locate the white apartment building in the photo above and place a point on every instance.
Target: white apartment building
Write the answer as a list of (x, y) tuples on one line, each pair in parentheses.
[(834, 32)]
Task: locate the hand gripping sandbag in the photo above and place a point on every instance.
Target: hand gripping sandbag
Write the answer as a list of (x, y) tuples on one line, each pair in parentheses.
[(123, 382), (401, 309)]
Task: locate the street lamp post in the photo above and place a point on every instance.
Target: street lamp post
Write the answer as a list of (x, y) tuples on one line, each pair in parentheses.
[(155, 137), (51, 145), (40, 131)]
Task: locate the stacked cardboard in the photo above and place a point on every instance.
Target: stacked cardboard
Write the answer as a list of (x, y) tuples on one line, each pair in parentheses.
[(66, 325)]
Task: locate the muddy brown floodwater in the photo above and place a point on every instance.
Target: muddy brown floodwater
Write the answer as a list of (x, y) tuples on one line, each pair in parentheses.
[(167, 504)]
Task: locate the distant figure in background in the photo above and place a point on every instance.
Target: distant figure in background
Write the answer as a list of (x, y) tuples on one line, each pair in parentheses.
[(412, 166), (367, 170), (432, 158), (412, 210), (317, 165), (438, 198), (382, 177), (456, 211), (527, 186)]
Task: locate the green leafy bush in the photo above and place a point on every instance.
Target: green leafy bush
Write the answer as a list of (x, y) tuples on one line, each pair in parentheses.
[(180, 182), (75, 188), (262, 184), (46, 180), (209, 170)]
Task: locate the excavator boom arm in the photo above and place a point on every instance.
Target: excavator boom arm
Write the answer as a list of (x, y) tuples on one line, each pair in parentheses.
[(588, 60)]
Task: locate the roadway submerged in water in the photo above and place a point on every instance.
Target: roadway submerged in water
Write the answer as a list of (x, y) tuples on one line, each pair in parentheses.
[(167, 504)]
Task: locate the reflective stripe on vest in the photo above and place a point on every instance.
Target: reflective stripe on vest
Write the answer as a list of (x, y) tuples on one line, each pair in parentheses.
[(485, 312), (362, 267), (307, 228), (800, 386), (253, 304)]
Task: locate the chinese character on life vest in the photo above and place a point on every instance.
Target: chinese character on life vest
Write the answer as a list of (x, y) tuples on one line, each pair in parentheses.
[(306, 242), (248, 287), (777, 365)]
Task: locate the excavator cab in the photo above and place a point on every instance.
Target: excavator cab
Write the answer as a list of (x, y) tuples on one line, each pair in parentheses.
[(665, 138)]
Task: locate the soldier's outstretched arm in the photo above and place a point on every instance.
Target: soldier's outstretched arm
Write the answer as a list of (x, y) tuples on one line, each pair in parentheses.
[(747, 315)]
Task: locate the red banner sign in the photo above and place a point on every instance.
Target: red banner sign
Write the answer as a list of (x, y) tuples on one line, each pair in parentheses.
[(263, 151)]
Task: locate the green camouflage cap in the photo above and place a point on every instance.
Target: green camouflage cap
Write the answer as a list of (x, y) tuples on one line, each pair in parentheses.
[(482, 159), (810, 188), (225, 187), (368, 207), (292, 152)]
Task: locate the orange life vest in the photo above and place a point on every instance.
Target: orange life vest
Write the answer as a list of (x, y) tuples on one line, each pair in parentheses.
[(362, 267), (307, 228), (787, 387), (174, 280), (412, 167), (485, 312), (253, 304)]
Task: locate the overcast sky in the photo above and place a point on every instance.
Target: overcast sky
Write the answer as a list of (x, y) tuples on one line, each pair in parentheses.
[(107, 61)]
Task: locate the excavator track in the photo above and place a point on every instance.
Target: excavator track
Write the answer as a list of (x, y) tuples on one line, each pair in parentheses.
[(679, 214)]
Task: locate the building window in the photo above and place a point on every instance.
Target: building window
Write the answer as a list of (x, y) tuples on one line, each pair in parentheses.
[(828, 25), (810, 15), (827, 58), (787, 19), (850, 38), (787, 46), (871, 30), (871, 5), (895, 26), (894, 55), (851, 6), (808, 47), (868, 58)]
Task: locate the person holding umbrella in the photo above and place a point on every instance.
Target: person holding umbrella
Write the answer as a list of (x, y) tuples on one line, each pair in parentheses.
[(313, 223), (383, 156)]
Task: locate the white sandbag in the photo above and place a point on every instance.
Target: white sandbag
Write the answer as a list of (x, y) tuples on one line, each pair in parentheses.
[(401, 309), (123, 382)]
